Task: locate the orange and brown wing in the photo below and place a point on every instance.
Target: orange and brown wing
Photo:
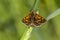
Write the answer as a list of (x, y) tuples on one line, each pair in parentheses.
[(27, 20), (38, 20)]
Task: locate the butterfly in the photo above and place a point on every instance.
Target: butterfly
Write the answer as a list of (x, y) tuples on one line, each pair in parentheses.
[(33, 19)]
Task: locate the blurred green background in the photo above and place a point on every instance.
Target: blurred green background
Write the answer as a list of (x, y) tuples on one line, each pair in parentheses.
[(13, 11)]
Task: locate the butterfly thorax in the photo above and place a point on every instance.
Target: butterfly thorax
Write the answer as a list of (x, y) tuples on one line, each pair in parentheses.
[(32, 16)]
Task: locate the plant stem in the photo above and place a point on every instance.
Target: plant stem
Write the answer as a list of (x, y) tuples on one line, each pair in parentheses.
[(35, 5), (27, 33), (53, 14)]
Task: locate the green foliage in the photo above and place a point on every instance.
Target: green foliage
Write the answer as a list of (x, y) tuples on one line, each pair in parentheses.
[(12, 12)]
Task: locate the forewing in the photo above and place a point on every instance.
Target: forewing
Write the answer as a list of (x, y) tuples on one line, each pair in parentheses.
[(38, 20), (27, 20)]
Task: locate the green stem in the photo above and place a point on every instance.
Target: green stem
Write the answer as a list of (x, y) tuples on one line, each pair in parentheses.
[(27, 33), (53, 14), (35, 5)]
